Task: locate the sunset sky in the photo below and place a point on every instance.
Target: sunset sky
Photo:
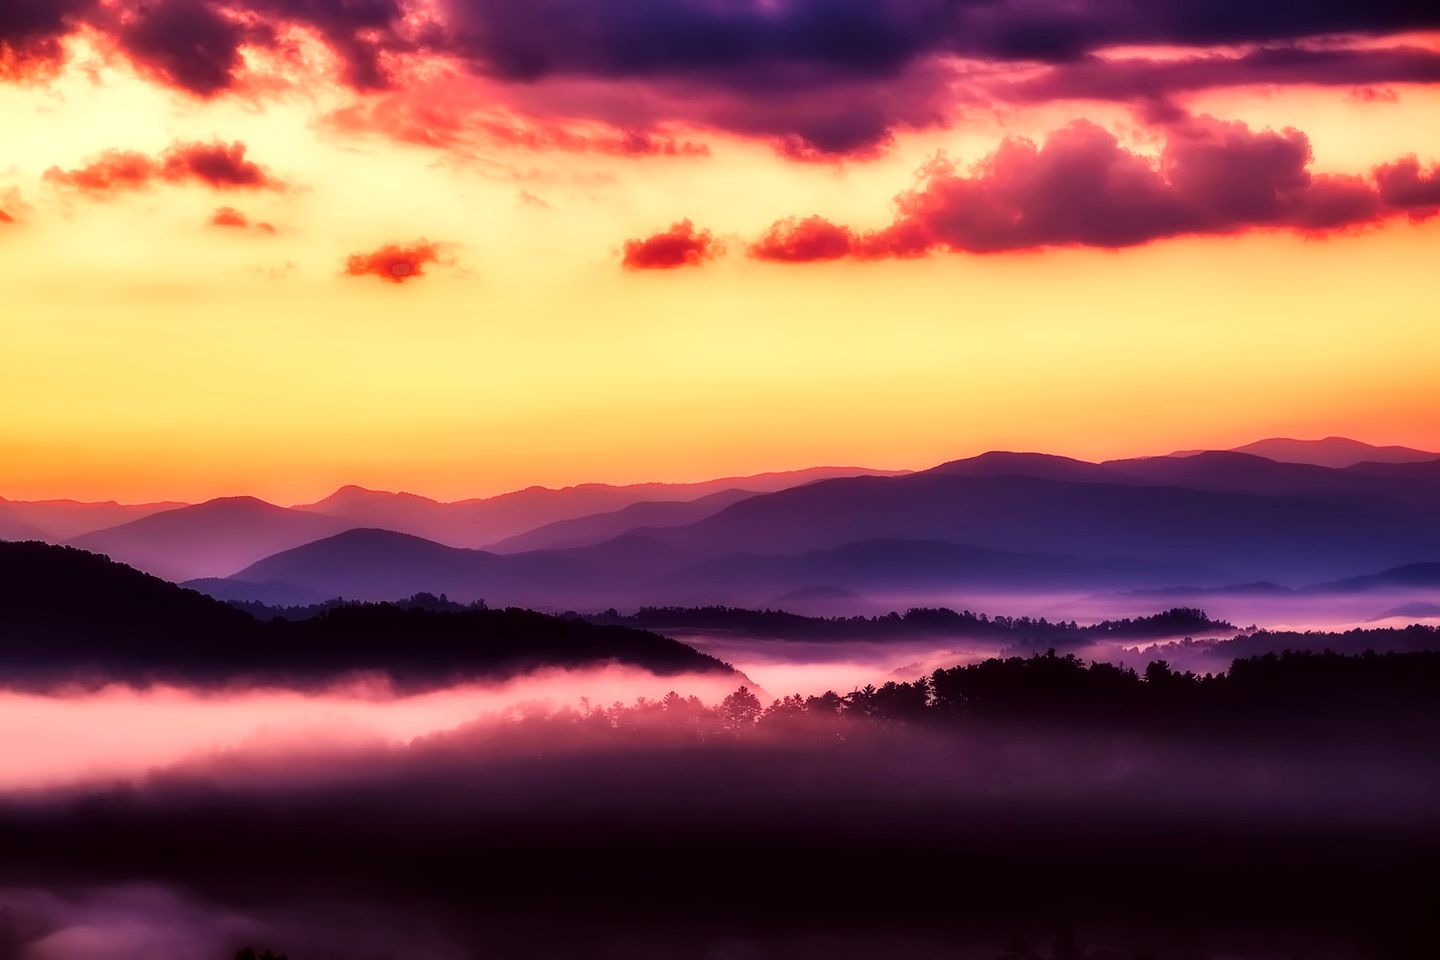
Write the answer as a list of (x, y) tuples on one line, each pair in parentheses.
[(463, 246)]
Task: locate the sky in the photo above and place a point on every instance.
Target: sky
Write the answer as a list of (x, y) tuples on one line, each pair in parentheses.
[(464, 246)]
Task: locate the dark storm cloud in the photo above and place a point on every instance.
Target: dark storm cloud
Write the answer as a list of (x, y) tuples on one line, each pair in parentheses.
[(31, 30), (820, 78), (740, 41), (189, 44), (1138, 78)]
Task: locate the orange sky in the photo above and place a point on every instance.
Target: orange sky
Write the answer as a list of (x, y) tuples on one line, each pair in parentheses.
[(147, 354)]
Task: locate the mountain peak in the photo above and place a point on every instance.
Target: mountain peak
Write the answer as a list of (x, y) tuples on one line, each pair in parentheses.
[(352, 496)]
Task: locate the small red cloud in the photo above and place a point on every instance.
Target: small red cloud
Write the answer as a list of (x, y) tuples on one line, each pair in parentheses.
[(680, 246), (230, 217), (794, 240), (394, 263), (217, 165), (5, 217)]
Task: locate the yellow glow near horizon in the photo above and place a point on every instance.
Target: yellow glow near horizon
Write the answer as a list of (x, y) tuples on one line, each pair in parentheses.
[(149, 356)]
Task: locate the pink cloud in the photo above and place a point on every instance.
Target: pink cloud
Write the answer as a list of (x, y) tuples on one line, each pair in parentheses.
[(680, 246), (794, 240), (1405, 186), (1081, 187), (217, 165)]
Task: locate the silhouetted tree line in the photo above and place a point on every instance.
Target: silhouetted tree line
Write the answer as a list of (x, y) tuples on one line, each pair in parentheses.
[(918, 621), (1416, 637), (1065, 945), (420, 601), (1301, 693)]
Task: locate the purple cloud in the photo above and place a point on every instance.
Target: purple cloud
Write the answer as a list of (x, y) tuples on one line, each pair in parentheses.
[(820, 78), (1081, 187), (1138, 78)]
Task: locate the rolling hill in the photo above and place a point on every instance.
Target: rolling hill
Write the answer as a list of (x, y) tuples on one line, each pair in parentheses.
[(67, 615)]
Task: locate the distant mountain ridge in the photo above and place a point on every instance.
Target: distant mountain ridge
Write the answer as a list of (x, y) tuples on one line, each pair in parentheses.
[(380, 565), (1001, 519), (1338, 452), (211, 539), (484, 521), (63, 519)]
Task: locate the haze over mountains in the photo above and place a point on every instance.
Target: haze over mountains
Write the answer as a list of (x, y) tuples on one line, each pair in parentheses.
[(999, 522)]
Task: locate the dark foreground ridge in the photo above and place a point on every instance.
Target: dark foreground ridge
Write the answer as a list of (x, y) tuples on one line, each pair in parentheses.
[(67, 615)]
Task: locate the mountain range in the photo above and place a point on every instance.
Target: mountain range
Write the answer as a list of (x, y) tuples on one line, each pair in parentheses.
[(1001, 521)]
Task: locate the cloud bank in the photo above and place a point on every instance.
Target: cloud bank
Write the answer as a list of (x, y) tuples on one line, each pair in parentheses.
[(217, 165), (1081, 187), (817, 77)]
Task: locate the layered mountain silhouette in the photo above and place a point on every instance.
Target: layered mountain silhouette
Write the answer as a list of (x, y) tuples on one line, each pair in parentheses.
[(1425, 576), (479, 522), (67, 614), (1329, 452), (1240, 535), (379, 565), (63, 519), (1223, 471), (211, 539), (599, 527), (371, 564), (1001, 520)]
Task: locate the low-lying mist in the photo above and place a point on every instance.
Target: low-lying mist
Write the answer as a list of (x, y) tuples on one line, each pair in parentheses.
[(672, 830), (1086, 811), (120, 731)]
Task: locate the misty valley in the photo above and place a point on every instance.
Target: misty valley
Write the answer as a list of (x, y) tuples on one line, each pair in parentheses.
[(1012, 708)]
